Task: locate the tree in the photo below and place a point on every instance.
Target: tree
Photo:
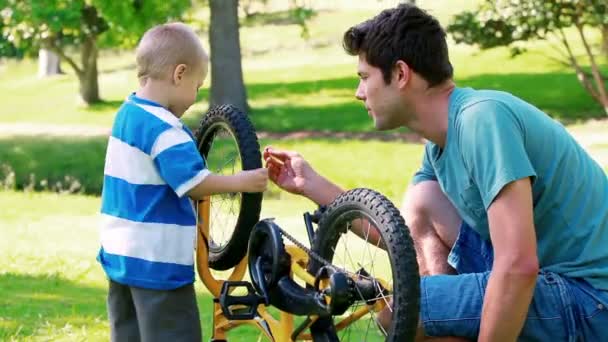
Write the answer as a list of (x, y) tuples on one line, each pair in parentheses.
[(48, 63), (227, 84), (7, 48), (506, 22), (58, 25)]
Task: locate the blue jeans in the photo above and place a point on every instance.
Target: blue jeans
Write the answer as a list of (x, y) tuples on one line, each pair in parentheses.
[(562, 308)]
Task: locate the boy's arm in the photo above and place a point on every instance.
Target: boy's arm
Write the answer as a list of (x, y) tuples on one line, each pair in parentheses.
[(180, 165), (245, 181)]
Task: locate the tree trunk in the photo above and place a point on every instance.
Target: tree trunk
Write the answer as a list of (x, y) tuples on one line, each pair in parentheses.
[(227, 86), (89, 85), (604, 30), (48, 63), (595, 70)]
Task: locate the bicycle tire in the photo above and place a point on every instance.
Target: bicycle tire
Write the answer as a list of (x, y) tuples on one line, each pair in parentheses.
[(243, 133), (399, 245)]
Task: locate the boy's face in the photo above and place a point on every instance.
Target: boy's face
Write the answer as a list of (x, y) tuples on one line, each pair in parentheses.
[(187, 81)]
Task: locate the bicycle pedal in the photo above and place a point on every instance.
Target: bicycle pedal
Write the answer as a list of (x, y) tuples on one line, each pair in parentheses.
[(239, 307)]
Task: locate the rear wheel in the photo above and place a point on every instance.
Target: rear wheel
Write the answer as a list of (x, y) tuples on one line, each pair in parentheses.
[(391, 258), (227, 141)]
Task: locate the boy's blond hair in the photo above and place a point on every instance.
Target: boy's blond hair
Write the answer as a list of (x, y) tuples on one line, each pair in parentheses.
[(163, 47)]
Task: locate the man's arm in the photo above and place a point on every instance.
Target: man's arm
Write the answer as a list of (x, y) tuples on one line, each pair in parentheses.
[(291, 172), (513, 277)]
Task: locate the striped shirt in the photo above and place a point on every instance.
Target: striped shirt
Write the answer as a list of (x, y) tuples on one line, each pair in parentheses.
[(148, 226)]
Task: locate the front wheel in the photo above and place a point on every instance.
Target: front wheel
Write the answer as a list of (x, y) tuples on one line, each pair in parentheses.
[(391, 259), (227, 141)]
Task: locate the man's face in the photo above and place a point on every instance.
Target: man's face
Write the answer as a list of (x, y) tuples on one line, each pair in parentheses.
[(380, 99)]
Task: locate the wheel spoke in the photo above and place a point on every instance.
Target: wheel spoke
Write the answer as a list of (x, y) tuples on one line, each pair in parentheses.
[(363, 258), (224, 159)]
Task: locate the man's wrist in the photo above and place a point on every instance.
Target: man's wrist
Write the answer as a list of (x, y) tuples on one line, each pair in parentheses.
[(321, 191)]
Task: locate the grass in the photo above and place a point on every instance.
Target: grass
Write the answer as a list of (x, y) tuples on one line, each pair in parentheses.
[(52, 287), (75, 164), (60, 164), (295, 84)]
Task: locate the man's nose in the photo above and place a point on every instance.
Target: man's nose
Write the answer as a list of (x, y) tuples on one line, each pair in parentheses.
[(360, 93)]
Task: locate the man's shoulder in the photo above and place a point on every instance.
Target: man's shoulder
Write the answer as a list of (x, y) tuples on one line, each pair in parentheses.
[(473, 101), (482, 111)]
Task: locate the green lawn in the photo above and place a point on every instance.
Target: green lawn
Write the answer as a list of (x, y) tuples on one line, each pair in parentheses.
[(295, 84), (51, 287), (76, 164)]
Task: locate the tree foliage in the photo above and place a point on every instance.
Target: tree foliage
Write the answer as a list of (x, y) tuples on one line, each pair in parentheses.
[(506, 22), (57, 25)]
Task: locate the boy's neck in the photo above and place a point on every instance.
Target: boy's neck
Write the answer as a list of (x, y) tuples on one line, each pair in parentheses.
[(155, 91)]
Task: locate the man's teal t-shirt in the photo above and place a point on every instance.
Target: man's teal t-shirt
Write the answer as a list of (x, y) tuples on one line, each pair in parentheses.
[(495, 138)]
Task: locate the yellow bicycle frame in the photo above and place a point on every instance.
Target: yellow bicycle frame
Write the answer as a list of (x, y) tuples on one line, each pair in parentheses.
[(278, 330)]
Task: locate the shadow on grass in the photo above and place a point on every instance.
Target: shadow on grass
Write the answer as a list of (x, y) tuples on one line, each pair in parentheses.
[(31, 302), (558, 94), (66, 164), (295, 16), (104, 106), (75, 164)]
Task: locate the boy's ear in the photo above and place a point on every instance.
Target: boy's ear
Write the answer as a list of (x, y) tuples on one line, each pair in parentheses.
[(178, 73)]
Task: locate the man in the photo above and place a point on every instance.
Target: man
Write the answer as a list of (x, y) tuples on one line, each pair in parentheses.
[(509, 214)]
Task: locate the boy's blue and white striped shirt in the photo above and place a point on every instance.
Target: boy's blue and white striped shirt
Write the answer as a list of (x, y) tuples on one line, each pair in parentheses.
[(148, 228)]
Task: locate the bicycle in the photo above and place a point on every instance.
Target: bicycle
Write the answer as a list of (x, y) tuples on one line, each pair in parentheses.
[(331, 300)]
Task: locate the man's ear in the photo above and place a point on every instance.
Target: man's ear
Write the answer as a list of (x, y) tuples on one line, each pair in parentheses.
[(401, 73), (178, 73)]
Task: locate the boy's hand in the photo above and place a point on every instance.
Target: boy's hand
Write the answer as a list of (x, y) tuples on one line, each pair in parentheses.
[(253, 180)]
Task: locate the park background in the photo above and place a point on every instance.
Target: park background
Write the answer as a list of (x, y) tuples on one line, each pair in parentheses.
[(299, 87)]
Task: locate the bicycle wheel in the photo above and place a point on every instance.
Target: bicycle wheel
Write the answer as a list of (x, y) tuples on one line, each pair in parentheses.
[(394, 263), (227, 141)]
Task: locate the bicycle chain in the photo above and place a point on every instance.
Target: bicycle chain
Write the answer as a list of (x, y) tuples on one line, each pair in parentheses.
[(309, 252)]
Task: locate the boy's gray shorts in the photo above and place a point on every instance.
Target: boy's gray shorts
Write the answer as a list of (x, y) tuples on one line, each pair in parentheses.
[(137, 314)]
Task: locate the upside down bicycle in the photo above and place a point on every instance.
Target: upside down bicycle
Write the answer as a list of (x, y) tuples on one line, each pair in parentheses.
[(358, 281)]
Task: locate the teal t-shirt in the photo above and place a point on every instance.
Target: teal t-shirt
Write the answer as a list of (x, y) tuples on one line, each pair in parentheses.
[(495, 138)]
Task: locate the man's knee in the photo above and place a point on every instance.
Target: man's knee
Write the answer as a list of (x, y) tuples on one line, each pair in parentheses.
[(428, 212)]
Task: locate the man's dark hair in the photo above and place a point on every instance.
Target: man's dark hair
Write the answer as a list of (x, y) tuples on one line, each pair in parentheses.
[(404, 33)]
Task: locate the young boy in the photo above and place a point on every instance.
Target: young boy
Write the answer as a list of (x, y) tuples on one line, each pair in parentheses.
[(152, 168)]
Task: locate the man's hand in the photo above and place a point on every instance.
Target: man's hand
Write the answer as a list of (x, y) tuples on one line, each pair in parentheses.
[(292, 173), (253, 180), (288, 170)]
